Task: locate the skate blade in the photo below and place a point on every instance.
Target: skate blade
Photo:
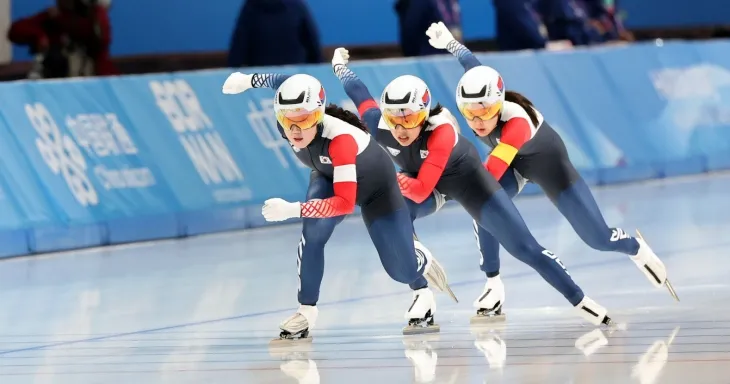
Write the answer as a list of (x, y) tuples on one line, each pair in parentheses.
[(671, 289), (284, 343), (419, 330), (488, 319)]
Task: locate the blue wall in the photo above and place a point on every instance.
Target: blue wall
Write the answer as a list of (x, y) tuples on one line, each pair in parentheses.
[(106, 161), (674, 13), (143, 26), (151, 26)]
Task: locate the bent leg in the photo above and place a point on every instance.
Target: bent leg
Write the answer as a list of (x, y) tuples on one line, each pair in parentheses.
[(489, 246), (491, 207), (315, 234), (500, 217), (392, 236)]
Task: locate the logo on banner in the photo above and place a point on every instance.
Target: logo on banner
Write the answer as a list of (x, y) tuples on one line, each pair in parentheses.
[(203, 144), (61, 154), (99, 135)]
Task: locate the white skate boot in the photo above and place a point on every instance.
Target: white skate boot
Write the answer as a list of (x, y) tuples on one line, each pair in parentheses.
[(593, 312), (296, 327), (434, 272), (489, 303), (651, 266), (420, 314)]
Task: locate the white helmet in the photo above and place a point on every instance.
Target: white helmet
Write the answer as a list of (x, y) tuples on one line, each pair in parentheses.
[(480, 93), (406, 101), (300, 101)]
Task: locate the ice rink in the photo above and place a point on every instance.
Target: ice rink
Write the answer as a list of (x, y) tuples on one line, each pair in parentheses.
[(202, 310)]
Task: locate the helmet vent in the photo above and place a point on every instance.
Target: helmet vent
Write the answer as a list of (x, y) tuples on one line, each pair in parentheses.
[(404, 100), (298, 100), (482, 92)]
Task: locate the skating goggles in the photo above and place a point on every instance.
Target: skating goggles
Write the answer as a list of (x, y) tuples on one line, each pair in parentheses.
[(299, 117), (483, 111), (407, 118)]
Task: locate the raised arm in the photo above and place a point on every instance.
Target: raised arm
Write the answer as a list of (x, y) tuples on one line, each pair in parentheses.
[(239, 82), (356, 90), (440, 145), (440, 37)]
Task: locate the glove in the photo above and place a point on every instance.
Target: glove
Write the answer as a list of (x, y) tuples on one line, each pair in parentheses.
[(404, 182), (439, 35), (341, 56), (237, 82), (280, 209)]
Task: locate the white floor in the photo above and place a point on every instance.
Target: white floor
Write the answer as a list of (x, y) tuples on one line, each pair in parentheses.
[(202, 310)]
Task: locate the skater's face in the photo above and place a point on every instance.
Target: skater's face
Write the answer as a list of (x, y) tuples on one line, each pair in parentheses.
[(483, 127), (405, 137), (300, 138), (300, 124), (481, 117), (405, 124)]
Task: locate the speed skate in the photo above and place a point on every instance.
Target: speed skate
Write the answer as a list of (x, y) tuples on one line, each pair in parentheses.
[(420, 314), (286, 339), (489, 303), (648, 262), (295, 328)]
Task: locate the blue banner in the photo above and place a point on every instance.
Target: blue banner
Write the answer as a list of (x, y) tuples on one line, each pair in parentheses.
[(105, 161)]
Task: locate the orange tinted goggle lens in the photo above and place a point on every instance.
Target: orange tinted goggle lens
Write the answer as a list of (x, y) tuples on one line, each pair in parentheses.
[(408, 119), (480, 110), (299, 117)]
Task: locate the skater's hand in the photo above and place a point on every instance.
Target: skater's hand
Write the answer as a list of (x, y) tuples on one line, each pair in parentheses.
[(439, 35), (237, 82), (279, 209), (341, 56), (404, 182)]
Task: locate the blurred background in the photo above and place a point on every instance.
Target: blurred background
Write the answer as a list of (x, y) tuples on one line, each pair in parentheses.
[(46, 38)]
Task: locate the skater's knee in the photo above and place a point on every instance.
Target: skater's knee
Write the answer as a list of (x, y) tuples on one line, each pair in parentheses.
[(398, 276), (603, 240), (401, 272), (318, 232)]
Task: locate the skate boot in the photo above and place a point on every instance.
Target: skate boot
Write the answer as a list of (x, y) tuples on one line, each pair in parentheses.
[(434, 272), (651, 266), (296, 327), (420, 314), (489, 303), (593, 312)]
